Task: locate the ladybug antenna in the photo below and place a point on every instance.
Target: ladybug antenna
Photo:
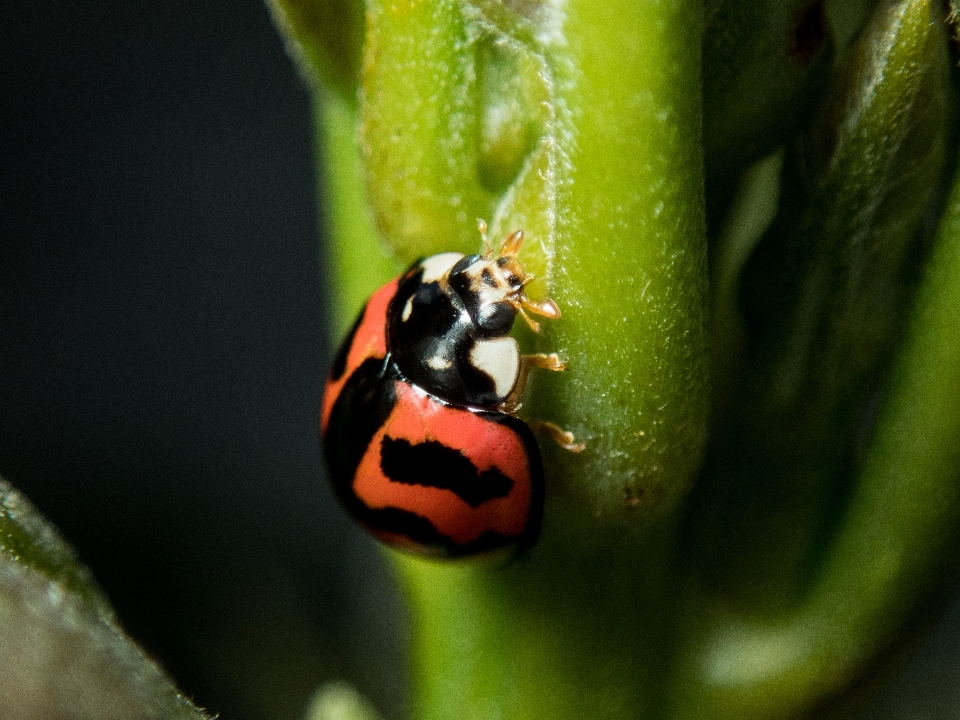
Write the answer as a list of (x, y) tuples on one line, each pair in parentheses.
[(482, 227), (511, 246)]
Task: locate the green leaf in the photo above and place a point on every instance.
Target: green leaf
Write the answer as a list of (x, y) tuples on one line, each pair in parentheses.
[(765, 63), (326, 39), (821, 517), (28, 540), (826, 296), (62, 653)]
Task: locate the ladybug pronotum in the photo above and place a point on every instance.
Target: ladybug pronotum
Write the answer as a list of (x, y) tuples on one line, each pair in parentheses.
[(422, 443)]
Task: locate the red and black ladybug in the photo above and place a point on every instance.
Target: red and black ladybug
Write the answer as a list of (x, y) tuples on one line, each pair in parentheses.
[(421, 441)]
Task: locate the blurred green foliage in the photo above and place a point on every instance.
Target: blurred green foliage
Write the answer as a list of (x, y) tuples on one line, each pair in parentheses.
[(62, 652)]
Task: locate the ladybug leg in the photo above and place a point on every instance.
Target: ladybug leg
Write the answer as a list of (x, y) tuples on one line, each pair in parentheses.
[(531, 323), (527, 362), (563, 438), (543, 361)]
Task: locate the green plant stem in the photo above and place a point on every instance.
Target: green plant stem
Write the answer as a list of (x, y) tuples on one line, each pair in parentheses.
[(562, 633), (630, 266), (576, 628)]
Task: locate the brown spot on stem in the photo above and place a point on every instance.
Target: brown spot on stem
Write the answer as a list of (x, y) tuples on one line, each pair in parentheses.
[(632, 497), (810, 33)]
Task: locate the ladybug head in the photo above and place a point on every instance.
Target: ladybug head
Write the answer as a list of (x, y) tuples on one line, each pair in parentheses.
[(492, 287)]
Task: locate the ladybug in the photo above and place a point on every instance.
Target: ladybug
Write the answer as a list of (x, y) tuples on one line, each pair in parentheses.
[(418, 418)]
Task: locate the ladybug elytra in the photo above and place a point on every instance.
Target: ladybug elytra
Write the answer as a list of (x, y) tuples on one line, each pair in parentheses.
[(422, 443)]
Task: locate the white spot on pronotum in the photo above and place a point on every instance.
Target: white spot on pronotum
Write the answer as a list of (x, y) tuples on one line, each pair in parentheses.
[(407, 309), (500, 359), (439, 362), (436, 267)]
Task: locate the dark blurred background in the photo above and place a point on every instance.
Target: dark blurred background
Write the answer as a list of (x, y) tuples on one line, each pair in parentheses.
[(162, 345), (162, 348)]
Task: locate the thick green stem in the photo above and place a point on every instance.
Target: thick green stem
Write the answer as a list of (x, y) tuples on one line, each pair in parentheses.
[(630, 269), (839, 519), (901, 519), (614, 191), (559, 634)]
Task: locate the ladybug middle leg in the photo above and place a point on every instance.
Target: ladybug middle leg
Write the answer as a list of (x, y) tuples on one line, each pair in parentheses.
[(544, 361), (527, 362)]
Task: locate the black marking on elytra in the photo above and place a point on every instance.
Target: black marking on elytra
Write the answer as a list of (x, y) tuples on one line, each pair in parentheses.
[(364, 404), (349, 435), (537, 486), (433, 464), (432, 315), (431, 541), (340, 359), (421, 531)]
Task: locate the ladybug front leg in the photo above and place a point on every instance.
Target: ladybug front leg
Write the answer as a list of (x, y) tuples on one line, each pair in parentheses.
[(546, 308)]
